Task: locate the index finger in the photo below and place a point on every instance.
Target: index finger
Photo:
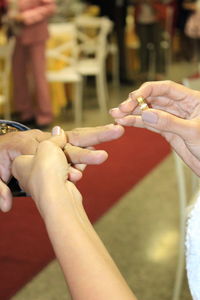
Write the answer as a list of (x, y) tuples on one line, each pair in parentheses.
[(167, 88), (158, 92), (85, 137)]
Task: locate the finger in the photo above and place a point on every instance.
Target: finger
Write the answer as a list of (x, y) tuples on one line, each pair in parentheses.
[(117, 113), (166, 122), (90, 136), (52, 145), (80, 167), (5, 197), (74, 174), (42, 136), (58, 137), (167, 88), (21, 166), (77, 155), (132, 120), (135, 121), (21, 169), (129, 105)]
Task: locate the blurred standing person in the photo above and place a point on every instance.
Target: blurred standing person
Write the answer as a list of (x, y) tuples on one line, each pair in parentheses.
[(192, 26), (150, 18), (120, 29), (116, 11), (30, 18), (3, 10), (186, 44)]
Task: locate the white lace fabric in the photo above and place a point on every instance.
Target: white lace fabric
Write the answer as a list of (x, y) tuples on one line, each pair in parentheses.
[(192, 244)]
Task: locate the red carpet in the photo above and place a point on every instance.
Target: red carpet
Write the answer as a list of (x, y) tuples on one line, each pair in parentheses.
[(24, 246)]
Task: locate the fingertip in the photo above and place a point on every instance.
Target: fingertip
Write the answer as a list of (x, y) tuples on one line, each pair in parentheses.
[(5, 197), (56, 130), (58, 136), (74, 175), (112, 110), (100, 156), (127, 106), (117, 130), (5, 204), (120, 122)]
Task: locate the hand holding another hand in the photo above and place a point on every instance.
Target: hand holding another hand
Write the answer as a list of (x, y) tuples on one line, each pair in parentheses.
[(46, 173), (78, 149)]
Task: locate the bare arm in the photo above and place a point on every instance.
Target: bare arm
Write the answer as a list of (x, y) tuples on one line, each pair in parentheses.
[(87, 266)]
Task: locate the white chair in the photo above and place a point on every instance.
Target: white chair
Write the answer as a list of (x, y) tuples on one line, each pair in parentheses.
[(65, 53), (183, 175), (93, 46), (6, 52)]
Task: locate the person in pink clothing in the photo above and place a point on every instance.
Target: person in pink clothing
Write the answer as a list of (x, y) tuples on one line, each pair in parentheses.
[(29, 66)]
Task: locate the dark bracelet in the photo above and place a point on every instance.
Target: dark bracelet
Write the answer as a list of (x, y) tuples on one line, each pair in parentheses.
[(7, 126)]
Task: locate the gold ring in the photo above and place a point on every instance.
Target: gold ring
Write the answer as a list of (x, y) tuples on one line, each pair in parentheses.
[(142, 103)]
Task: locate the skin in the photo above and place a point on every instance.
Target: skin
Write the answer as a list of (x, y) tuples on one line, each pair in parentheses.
[(174, 113), (87, 266), (77, 148)]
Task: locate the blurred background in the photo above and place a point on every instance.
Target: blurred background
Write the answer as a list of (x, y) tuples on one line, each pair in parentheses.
[(65, 59), (67, 63)]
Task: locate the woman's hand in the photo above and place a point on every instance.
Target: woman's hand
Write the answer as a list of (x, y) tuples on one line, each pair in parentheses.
[(174, 113), (26, 142), (45, 173)]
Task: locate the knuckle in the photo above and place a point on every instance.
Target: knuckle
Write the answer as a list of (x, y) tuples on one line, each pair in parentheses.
[(74, 137), (168, 82), (166, 122), (34, 131), (195, 130)]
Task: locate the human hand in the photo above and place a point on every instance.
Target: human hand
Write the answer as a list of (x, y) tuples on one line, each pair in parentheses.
[(174, 113), (26, 142), (15, 16), (45, 174)]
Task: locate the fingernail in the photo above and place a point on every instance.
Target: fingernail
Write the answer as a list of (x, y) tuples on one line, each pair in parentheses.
[(149, 117), (112, 109), (56, 130)]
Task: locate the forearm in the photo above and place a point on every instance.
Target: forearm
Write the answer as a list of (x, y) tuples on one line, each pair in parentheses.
[(38, 14), (88, 268)]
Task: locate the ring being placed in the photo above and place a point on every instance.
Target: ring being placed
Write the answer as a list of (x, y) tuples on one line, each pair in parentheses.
[(142, 103)]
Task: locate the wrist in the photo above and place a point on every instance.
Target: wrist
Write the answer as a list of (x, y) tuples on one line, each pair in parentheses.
[(52, 201)]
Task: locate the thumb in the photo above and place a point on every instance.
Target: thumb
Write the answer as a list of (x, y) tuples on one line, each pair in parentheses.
[(166, 122), (58, 137), (21, 167)]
